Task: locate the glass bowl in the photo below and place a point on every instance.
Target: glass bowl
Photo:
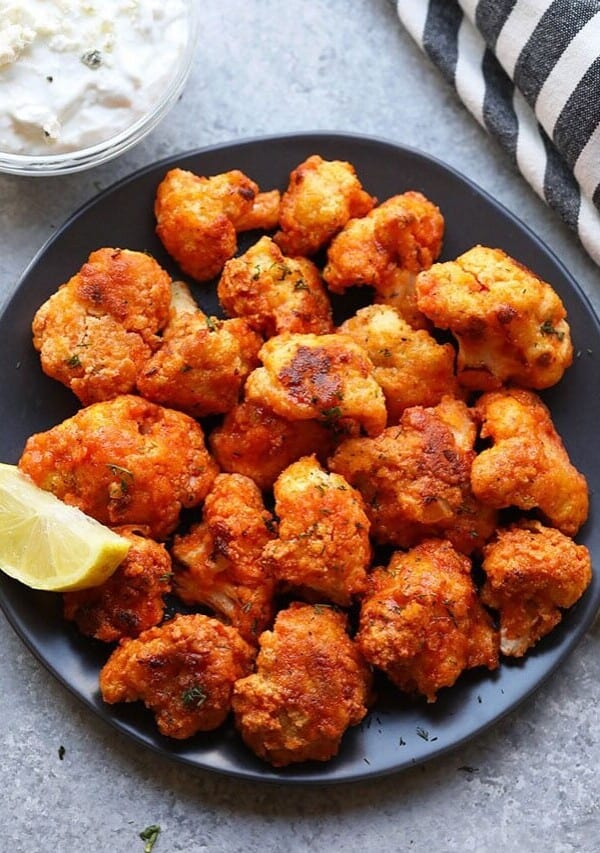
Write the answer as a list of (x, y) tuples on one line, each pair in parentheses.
[(94, 155)]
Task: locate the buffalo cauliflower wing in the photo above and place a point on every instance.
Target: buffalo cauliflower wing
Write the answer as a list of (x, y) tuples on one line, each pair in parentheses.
[(273, 293), (218, 562), (183, 671), (323, 549), (202, 363), (131, 600), (411, 367), (310, 685), (254, 441), (197, 218), (422, 623), (415, 478), (405, 233), (510, 325), (533, 573), (322, 195), (528, 465), (96, 332), (124, 461), (324, 377)]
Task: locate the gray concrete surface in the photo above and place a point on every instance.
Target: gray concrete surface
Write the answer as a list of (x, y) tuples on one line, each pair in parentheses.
[(263, 67)]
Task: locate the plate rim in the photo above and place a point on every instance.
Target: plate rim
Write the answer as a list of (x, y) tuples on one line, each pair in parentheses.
[(271, 775)]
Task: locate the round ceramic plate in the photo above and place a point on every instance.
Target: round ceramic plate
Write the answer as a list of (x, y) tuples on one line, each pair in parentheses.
[(398, 732)]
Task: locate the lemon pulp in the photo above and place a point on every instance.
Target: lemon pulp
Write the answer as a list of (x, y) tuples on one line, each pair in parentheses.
[(47, 544)]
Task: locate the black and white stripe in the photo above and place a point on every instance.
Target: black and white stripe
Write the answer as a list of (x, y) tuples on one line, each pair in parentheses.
[(529, 71)]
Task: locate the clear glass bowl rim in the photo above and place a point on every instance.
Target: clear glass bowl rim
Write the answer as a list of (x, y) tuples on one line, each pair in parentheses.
[(102, 152)]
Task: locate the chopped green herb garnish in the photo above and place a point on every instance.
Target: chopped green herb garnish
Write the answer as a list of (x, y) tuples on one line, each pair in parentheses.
[(332, 413), (320, 608), (212, 323), (300, 284), (74, 361), (92, 58), (61, 752), (548, 329), (118, 470), (194, 697), (423, 733), (125, 477), (150, 836)]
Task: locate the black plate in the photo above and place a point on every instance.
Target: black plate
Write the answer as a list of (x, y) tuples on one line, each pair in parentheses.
[(398, 733)]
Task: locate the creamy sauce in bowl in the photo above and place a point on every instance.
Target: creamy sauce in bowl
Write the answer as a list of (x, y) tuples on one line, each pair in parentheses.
[(75, 73)]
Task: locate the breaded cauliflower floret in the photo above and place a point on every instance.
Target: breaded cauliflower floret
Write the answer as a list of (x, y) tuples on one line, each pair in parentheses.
[(198, 217), (218, 562), (323, 377), (202, 363), (532, 573), (254, 441), (411, 367), (415, 478), (399, 290), (273, 293), (422, 623), (263, 215), (310, 685), (183, 671), (124, 461), (131, 600), (405, 233), (322, 195), (323, 548), (510, 325), (95, 333), (527, 466)]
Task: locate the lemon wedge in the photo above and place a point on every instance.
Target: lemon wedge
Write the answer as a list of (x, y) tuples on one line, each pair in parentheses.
[(46, 544)]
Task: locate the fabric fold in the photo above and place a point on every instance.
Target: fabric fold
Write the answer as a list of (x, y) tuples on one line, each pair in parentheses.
[(529, 73)]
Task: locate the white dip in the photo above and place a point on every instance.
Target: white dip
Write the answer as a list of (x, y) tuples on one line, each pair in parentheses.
[(75, 73)]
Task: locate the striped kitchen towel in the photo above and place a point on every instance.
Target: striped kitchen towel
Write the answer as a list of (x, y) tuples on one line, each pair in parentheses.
[(529, 71)]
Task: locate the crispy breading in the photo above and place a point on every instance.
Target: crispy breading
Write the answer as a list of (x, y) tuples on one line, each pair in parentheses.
[(202, 363), (323, 377), (321, 196), (263, 215), (510, 325), (415, 478), (218, 562), (131, 600), (323, 549), (409, 364), (254, 441), (532, 573), (198, 217), (183, 671), (422, 623), (310, 685), (405, 233), (528, 465), (275, 293), (399, 290), (95, 333), (124, 461)]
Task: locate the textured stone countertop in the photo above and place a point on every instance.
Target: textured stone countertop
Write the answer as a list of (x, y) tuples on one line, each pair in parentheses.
[(528, 784)]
